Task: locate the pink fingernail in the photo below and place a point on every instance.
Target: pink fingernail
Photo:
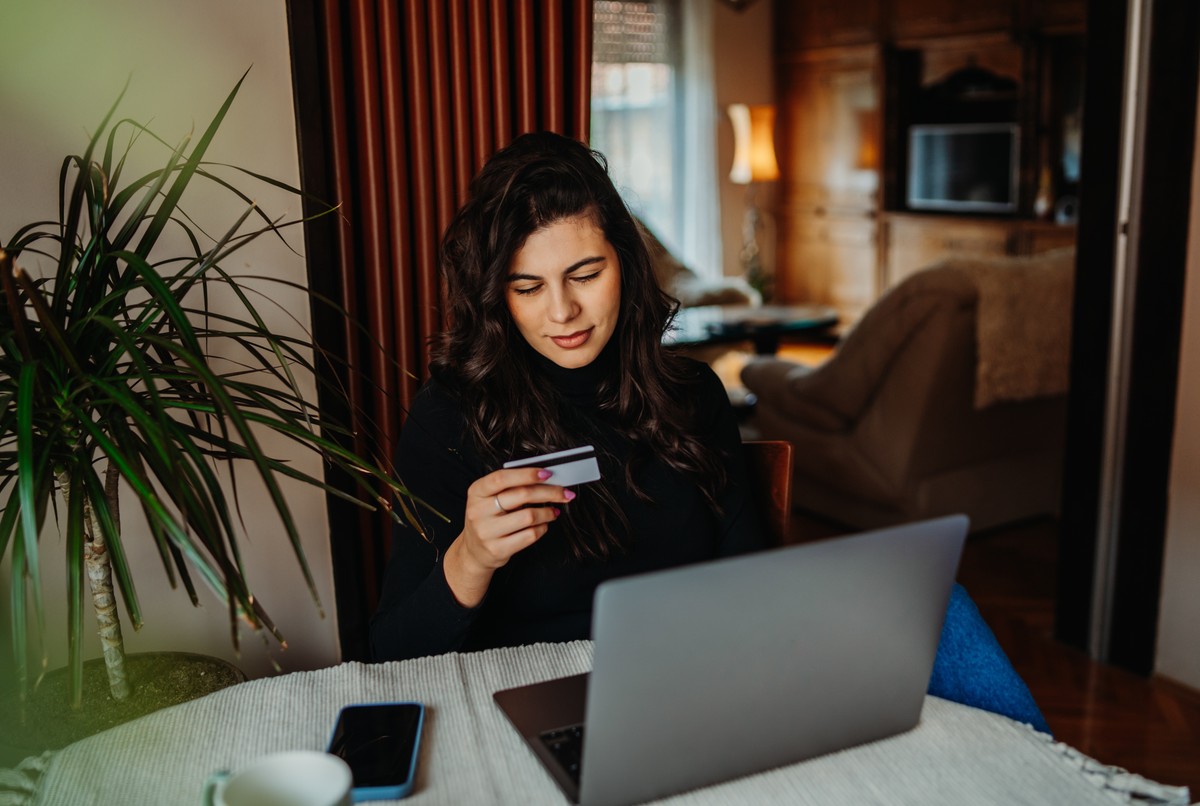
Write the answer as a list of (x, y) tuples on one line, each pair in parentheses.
[(544, 474), (569, 494), (557, 511)]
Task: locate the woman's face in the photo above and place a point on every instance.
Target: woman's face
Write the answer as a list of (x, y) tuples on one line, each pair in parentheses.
[(564, 291)]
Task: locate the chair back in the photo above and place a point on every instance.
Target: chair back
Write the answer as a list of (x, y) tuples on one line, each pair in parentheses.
[(769, 467)]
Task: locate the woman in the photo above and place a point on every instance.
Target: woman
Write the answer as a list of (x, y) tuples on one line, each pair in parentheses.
[(554, 342)]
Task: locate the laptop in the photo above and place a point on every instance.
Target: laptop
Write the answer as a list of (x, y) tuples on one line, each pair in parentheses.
[(711, 671)]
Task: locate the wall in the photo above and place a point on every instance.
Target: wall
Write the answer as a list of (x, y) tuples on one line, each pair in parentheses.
[(1178, 652), (65, 62), (744, 73)]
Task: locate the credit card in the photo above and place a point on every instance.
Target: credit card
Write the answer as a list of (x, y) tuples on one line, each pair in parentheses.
[(570, 467)]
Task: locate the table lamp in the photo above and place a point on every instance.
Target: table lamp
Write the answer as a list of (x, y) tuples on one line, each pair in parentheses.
[(753, 162)]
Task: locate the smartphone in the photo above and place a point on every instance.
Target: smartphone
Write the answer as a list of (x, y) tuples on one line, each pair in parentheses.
[(380, 742)]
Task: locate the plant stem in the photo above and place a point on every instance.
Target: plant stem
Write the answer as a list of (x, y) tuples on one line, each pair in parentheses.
[(99, 572)]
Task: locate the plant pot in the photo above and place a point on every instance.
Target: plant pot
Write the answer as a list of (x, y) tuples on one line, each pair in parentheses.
[(158, 680)]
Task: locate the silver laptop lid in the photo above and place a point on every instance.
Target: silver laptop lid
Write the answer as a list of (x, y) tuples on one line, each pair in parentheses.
[(712, 671)]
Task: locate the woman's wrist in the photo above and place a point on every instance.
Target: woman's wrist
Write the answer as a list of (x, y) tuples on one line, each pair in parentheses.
[(468, 579)]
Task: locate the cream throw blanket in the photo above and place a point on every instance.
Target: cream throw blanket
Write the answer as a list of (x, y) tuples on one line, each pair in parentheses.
[(1023, 325)]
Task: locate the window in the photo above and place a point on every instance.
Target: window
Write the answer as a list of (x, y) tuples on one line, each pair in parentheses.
[(635, 69), (653, 116)]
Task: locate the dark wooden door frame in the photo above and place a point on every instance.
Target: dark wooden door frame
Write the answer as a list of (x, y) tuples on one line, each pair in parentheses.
[(350, 566), (1118, 463)]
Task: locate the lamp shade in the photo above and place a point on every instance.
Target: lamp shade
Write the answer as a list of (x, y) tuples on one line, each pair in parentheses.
[(753, 144)]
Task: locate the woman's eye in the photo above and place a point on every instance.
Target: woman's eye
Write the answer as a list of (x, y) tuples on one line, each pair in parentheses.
[(524, 292), (586, 278)]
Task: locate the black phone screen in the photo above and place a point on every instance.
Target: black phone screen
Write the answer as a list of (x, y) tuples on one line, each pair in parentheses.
[(378, 742)]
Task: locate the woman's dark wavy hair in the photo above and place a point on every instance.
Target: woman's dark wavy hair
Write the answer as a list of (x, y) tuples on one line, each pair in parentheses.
[(539, 180)]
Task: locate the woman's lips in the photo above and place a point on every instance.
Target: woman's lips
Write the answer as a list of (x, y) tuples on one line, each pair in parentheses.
[(577, 339)]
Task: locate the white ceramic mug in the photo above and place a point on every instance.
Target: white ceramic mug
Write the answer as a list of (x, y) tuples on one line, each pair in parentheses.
[(293, 778)]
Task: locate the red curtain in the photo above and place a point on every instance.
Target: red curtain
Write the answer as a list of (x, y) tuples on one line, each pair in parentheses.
[(399, 103)]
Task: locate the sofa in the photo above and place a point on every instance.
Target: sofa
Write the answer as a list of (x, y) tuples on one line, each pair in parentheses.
[(688, 287), (949, 395)]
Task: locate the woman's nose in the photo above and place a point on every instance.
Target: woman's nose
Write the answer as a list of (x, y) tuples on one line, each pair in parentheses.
[(563, 307)]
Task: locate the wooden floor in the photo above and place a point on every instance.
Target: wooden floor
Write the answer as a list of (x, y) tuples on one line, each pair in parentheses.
[(1147, 726)]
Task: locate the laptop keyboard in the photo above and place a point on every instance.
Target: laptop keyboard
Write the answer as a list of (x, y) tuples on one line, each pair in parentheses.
[(566, 745)]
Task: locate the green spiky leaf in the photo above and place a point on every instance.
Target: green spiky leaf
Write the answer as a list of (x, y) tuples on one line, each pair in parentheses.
[(106, 366)]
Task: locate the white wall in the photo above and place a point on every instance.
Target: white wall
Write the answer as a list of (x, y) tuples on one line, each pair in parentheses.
[(744, 74), (1178, 654), (65, 61)]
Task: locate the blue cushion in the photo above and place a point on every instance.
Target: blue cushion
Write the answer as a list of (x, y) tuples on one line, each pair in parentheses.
[(972, 669)]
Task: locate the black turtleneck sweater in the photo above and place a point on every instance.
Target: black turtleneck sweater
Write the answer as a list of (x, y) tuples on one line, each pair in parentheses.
[(543, 594)]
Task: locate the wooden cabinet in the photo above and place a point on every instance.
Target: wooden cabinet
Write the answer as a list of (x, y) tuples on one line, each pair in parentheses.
[(807, 24), (826, 23), (803, 24), (1037, 237), (844, 113), (828, 137), (915, 242), (830, 259), (997, 55), (1056, 15), (921, 19), (828, 131)]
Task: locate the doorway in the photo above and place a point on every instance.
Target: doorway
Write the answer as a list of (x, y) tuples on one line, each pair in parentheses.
[(1138, 140)]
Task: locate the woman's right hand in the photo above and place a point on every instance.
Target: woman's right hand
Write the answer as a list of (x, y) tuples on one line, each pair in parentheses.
[(497, 524)]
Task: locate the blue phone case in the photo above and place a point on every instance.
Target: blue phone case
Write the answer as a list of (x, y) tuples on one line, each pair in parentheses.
[(364, 793)]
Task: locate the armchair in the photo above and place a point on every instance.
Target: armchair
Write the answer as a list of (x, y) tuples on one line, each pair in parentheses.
[(893, 427)]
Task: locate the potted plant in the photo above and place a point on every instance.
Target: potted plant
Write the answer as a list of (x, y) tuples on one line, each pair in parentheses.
[(107, 378)]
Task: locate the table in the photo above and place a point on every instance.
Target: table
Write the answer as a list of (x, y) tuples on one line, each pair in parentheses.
[(761, 324), (470, 755)]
